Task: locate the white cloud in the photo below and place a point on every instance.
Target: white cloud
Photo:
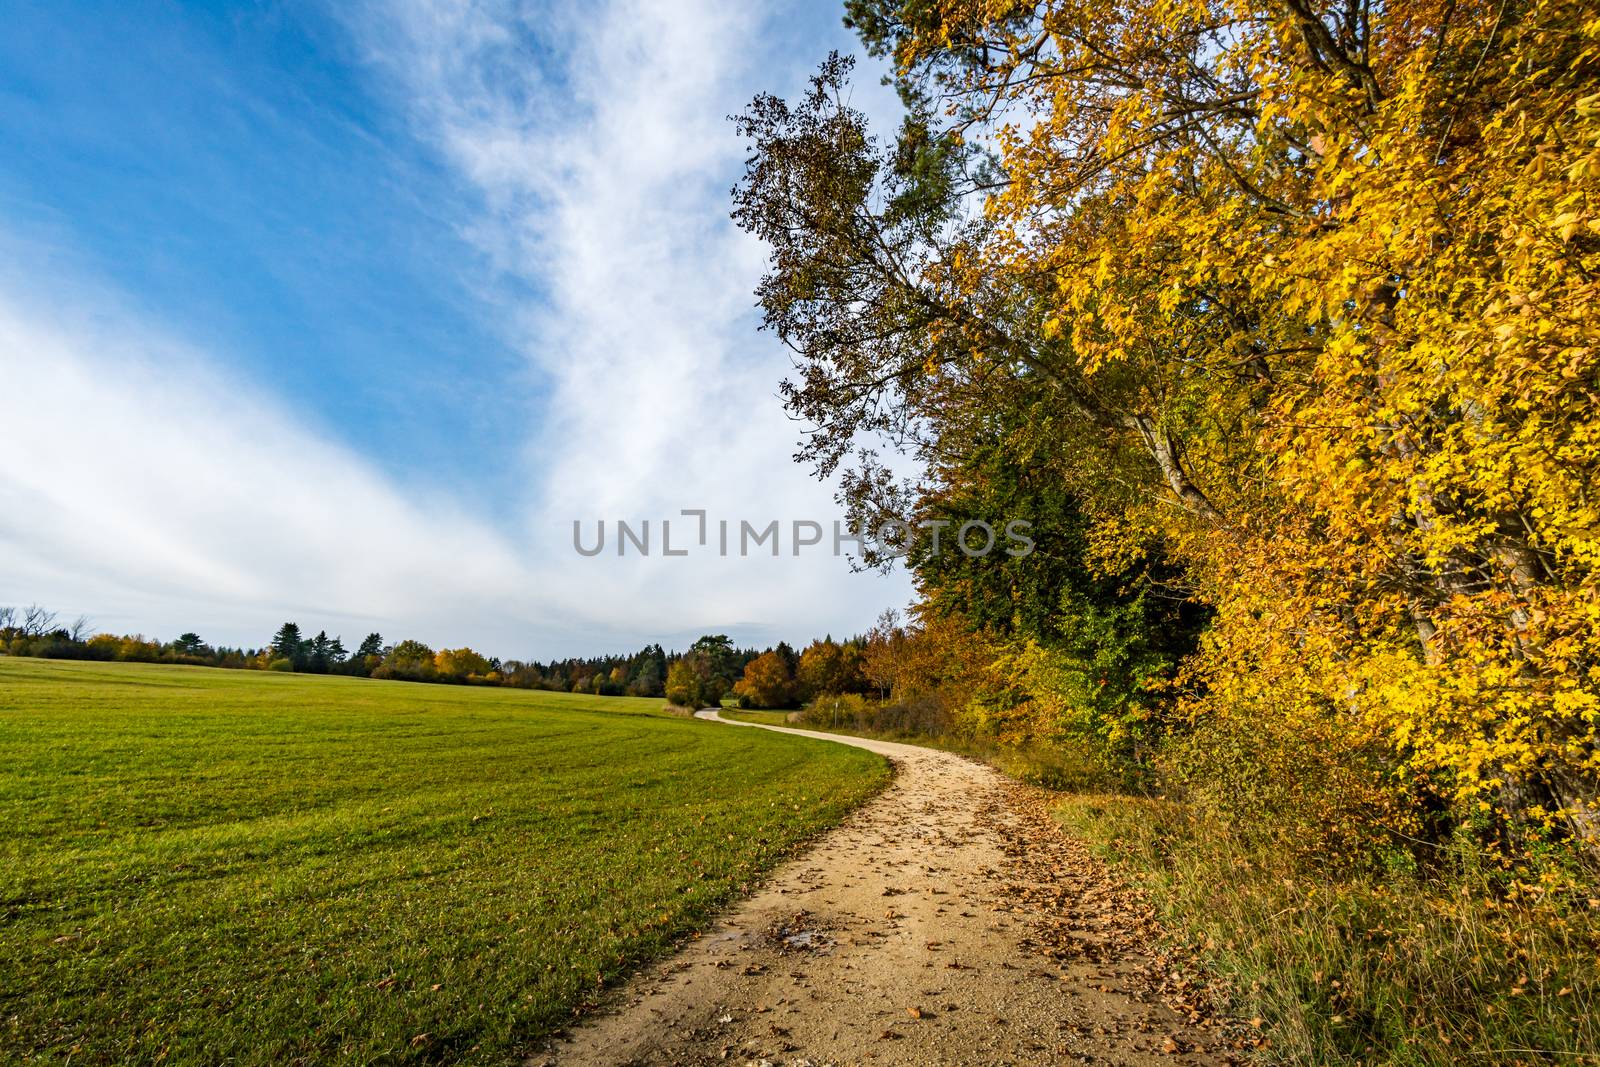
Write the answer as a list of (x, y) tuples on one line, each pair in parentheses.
[(145, 485), (145, 488), (606, 182)]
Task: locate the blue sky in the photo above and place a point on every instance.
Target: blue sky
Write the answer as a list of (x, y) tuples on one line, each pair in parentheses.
[(347, 311), (231, 168)]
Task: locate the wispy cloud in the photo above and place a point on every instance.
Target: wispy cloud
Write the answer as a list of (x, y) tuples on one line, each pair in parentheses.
[(598, 139), (145, 486), (150, 486)]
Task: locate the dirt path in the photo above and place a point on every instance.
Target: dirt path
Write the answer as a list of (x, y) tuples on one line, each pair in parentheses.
[(945, 922)]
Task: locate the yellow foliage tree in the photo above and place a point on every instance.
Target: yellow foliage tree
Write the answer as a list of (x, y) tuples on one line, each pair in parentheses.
[(767, 683), (460, 664), (1316, 280)]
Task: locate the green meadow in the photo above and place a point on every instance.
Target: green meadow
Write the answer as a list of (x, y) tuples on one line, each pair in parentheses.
[(207, 866)]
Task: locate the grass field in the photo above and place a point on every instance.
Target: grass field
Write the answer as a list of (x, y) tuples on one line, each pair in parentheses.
[(209, 866)]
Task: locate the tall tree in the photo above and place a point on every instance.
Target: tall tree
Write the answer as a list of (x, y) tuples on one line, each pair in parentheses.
[(720, 656), (288, 644), (1302, 290), (323, 653), (767, 683)]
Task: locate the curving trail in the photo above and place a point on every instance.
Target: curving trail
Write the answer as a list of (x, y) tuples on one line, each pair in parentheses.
[(944, 922)]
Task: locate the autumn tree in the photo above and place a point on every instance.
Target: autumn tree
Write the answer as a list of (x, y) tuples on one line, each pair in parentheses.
[(1301, 292), (828, 667), (693, 680), (408, 661), (460, 664), (767, 683)]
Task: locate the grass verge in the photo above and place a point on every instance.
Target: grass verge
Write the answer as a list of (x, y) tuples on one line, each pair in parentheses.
[(206, 866), (1405, 970)]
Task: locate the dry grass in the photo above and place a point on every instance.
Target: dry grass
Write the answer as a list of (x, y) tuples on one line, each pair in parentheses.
[(1405, 970)]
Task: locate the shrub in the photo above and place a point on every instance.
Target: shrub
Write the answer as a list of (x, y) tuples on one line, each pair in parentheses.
[(1303, 783), (925, 716), (848, 710)]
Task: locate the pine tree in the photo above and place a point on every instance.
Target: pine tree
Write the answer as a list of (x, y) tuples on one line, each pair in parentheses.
[(325, 652), (288, 644)]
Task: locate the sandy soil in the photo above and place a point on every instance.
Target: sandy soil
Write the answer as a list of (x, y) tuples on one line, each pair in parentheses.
[(944, 922)]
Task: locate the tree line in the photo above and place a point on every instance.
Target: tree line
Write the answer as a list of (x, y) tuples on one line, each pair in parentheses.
[(713, 667)]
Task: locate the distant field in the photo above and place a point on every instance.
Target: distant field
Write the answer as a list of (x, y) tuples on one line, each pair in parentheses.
[(204, 866)]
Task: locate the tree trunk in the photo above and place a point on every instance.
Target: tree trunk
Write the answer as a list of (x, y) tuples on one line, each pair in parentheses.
[(1168, 455)]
